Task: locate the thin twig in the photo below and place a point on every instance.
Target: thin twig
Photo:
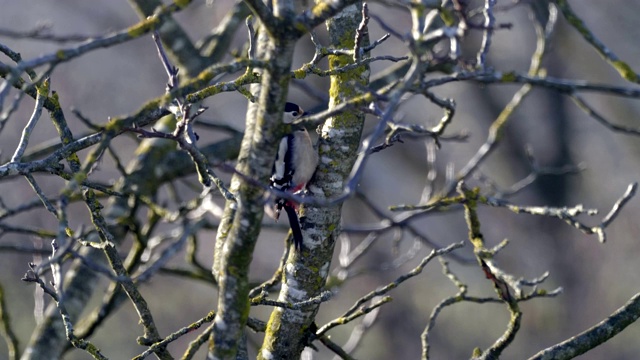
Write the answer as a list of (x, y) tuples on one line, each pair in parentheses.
[(361, 32), (357, 309), (489, 22), (43, 92), (176, 335)]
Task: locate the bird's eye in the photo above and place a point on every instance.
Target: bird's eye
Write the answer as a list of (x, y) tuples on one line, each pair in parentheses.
[(295, 113)]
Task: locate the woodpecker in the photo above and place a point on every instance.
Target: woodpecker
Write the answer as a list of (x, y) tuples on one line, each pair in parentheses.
[(295, 163)]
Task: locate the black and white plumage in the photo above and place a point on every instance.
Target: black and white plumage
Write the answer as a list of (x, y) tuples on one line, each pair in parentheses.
[(295, 163)]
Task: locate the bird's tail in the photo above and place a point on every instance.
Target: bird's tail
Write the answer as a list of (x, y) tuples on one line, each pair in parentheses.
[(294, 222)]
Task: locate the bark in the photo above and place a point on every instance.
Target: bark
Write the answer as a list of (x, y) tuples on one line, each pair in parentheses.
[(306, 271)]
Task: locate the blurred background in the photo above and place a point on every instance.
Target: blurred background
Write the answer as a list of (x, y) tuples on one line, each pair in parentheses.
[(596, 278)]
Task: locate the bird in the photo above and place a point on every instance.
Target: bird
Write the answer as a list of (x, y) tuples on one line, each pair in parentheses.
[(294, 165)]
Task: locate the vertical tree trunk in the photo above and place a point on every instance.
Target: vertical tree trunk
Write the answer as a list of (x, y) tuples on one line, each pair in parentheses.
[(306, 272)]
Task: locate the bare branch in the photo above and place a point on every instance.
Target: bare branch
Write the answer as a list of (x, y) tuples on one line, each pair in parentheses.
[(357, 310), (609, 56), (43, 92), (598, 334), (176, 335), (584, 106), (489, 22)]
